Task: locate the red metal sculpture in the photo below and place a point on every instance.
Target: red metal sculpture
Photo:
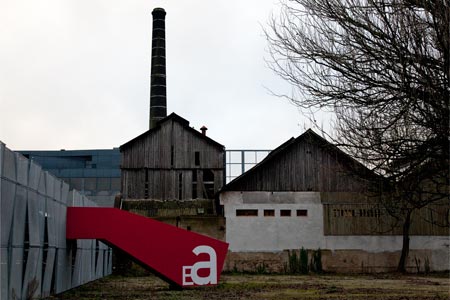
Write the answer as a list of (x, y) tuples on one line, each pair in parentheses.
[(181, 257)]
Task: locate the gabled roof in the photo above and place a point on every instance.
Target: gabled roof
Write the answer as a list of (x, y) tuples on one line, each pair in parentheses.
[(289, 144), (183, 122)]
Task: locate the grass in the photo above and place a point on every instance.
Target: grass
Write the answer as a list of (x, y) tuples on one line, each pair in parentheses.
[(276, 287)]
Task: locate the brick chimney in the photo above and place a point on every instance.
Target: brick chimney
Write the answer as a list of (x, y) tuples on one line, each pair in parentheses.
[(158, 101)]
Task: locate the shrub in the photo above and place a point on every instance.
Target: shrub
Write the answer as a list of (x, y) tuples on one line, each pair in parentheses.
[(304, 269), (293, 262), (316, 261)]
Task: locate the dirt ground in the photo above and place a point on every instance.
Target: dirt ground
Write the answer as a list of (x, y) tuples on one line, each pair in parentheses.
[(279, 287)]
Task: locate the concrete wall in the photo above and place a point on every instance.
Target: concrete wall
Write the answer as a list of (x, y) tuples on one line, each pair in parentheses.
[(212, 226), (36, 258), (275, 234), (338, 261)]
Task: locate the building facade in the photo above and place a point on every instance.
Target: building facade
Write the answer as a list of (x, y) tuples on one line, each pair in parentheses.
[(173, 173), (93, 173), (172, 161), (36, 258), (305, 194)]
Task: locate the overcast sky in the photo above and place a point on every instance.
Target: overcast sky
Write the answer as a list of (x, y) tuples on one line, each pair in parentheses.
[(76, 74)]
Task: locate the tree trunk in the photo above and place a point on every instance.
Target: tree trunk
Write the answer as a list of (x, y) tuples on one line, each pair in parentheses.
[(405, 247)]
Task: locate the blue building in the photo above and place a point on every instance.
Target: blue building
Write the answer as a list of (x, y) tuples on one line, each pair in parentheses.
[(94, 173)]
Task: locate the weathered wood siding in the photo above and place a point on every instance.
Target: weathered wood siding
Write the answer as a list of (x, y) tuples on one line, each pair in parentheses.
[(367, 219), (165, 184), (306, 165), (155, 150), (161, 165)]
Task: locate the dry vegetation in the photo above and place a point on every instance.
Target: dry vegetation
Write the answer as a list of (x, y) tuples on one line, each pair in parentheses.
[(278, 287)]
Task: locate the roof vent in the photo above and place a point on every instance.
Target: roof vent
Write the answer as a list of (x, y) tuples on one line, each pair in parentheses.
[(203, 129)]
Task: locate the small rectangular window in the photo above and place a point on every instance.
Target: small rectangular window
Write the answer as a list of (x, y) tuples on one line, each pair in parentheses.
[(103, 184), (246, 212), (347, 213), (285, 213), (302, 213), (180, 186), (197, 158), (269, 213), (194, 184), (77, 183), (115, 184), (90, 184), (194, 191)]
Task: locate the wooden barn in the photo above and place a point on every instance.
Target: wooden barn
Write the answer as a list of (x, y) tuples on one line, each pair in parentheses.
[(308, 193), (172, 161), (306, 163)]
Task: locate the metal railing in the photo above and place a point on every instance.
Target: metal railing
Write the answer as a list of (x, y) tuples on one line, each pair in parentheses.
[(238, 161)]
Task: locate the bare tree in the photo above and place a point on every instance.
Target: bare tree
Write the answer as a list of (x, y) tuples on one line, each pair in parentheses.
[(383, 67)]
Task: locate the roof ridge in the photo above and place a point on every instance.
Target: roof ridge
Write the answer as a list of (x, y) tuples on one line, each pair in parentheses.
[(179, 119)]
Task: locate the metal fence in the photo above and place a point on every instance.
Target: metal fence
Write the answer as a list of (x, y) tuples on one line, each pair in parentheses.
[(36, 259)]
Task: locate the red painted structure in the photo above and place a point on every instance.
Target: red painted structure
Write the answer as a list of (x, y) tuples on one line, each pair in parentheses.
[(181, 257)]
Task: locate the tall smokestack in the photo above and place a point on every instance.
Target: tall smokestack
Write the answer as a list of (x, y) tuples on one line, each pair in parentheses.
[(158, 105)]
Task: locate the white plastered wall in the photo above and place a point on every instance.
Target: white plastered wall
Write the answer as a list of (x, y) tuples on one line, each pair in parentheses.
[(272, 234), (260, 233)]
